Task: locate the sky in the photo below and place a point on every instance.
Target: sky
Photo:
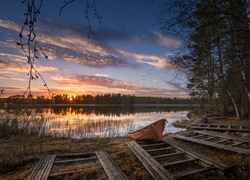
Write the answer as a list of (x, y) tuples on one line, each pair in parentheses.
[(127, 53)]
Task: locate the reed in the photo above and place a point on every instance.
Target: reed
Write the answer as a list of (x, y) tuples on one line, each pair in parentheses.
[(19, 123), (29, 134)]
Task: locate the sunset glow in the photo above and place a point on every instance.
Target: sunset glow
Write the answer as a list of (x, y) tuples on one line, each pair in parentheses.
[(127, 55)]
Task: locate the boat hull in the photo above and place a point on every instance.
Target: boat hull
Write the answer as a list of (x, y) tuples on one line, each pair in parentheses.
[(151, 132)]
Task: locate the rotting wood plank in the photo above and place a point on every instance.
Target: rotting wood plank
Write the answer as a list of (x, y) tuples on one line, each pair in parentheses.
[(223, 140), (110, 167), (155, 169), (49, 167), (168, 155), (151, 170), (206, 163), (223, 127), (37, 167), (214, 144), (43, 168), (198, 135), (222, 167), (221, 136), (159, 149), (238, 143), (209, 138)]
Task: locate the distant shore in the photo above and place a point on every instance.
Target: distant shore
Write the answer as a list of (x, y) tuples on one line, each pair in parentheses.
[(93, 105)]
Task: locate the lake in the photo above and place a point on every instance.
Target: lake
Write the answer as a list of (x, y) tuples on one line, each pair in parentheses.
[(96, 121)]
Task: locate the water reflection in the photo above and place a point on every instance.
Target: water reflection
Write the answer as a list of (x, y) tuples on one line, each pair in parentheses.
[(116, 111), (100, 121)]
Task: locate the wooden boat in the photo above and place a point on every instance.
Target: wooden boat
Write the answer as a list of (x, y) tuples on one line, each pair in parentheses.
[(152, 131)]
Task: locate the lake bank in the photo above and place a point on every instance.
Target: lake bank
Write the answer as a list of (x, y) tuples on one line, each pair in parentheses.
[(20, 153)]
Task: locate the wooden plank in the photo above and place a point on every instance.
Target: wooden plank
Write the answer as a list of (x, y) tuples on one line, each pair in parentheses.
[(198, 136), (219, 135), (189, 133), (43, 168), (49, 167), (238, 143), (195, 172), (223, 140), (168, 155), (74, 160), (110, 167), (159, 149), (153, 172), (214, 144), (179, 162), (222, 167), (37, 167), (155, 169), (223, 127), (208, 138)]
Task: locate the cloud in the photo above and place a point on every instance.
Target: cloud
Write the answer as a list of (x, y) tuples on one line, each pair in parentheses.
[(92, 84), (14, 67), (9, 25), (122, 33), (69, 43), (168, 41), (11, 77), (92, 80), (102, 75), (157, 61)]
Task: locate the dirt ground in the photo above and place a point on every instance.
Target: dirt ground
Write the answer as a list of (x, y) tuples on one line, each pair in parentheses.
[(19, 155)]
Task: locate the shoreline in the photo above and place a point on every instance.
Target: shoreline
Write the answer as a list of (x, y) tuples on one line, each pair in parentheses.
[(19, 154), (112, 105)]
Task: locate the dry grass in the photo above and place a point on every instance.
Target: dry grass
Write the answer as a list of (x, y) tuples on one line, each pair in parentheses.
[(20, 155)]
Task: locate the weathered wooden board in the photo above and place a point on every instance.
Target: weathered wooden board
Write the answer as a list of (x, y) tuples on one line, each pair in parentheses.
[(110, 167), (217, 144), (164, 169), (154, 168), (43, 168), (223, 127), (222, 167), (46, 162)]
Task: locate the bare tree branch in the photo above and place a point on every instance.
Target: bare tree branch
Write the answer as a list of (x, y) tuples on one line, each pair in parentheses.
[(29, 43)]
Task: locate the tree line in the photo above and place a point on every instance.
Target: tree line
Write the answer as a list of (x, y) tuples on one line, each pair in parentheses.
[(105, 99), (215, 55)]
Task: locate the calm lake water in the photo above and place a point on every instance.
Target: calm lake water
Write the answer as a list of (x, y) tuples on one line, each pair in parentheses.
[(98, 121)]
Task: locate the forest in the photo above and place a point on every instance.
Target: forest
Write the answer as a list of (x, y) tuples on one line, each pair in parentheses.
[(105, 99), (215, 56)]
